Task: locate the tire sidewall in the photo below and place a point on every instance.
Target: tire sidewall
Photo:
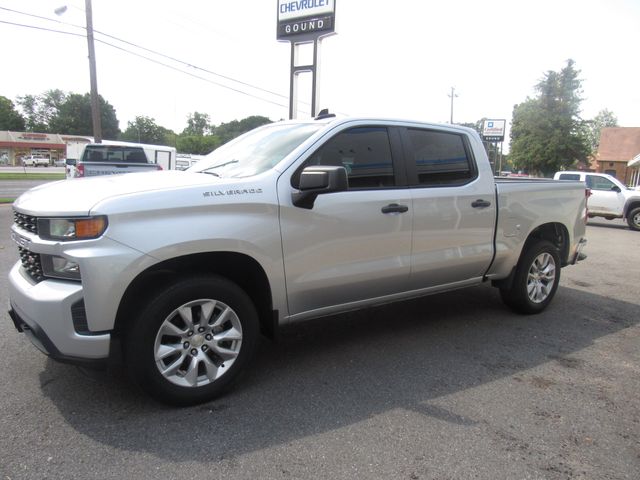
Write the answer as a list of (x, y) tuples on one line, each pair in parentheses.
[(519, 299), (630, 219), (140, 338)]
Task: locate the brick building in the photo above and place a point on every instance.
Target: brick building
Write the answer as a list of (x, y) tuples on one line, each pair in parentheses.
[(618, 147), (15, 145)]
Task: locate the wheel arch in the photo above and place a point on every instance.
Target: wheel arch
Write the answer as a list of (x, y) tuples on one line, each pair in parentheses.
[(239, 268), (554, 232), (630, 205)]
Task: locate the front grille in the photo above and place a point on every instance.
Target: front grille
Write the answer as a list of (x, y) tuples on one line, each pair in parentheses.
[(26, 222), (31, 263)]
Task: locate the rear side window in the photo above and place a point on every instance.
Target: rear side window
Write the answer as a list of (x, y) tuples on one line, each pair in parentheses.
[(114, 154), (569, 176), (440, 158), (365, 153)]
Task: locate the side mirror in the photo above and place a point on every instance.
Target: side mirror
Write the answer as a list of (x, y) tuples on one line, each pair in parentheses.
[(70, 161), (316, 181), (616, 188)]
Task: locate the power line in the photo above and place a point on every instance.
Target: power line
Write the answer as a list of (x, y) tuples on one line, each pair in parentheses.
[(150, 60), (43, 28), (188, 64)]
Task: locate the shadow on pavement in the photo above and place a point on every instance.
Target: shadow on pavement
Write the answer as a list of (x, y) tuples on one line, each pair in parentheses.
[(334, 372)]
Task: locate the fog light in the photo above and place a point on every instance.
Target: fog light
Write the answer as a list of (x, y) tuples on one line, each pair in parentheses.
[(59, 267)]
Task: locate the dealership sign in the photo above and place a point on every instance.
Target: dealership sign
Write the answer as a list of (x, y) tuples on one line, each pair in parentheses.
[(493, 130), (305, 18)]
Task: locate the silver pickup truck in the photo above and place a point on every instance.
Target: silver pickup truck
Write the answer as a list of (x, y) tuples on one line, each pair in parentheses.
[(113, 158), (178, 272)]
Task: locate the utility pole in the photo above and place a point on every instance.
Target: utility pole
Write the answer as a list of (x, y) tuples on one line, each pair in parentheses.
[(452, 95), (95, 100)]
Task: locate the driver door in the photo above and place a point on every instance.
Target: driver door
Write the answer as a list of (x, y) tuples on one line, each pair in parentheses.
[(355, 245)]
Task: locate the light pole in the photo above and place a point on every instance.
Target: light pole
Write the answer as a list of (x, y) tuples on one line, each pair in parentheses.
[(452, 95), (95, 100)]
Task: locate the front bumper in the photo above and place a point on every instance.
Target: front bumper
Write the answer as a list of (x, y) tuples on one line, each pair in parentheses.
[(43, 311)]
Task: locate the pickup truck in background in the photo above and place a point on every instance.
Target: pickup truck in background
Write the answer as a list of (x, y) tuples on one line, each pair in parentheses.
[(110, 157), (178, 272), (609, 197), (35, 161)]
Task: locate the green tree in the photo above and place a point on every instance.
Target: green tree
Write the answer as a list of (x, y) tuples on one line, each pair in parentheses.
[(605, 118), (40, 110), (10, 118), (55, 111), (229, 131), (198, 124), (146, 130), (197, 144), (74, 117), (547, 133)]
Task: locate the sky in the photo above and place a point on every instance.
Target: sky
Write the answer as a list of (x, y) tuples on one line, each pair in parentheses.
[(396, 59)]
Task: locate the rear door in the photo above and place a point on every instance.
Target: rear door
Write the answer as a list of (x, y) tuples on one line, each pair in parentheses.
[(454, 208), (354, 245)]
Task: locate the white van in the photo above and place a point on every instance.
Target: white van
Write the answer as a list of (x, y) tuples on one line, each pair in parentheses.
[(609, 197)]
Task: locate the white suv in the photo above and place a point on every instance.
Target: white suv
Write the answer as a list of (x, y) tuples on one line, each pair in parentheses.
[(609, 197)]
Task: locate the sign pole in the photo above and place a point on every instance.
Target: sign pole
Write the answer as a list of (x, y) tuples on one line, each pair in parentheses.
[(301, 23)]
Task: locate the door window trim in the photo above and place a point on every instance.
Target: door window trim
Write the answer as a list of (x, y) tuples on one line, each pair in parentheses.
[(412, 167), (397, 158)]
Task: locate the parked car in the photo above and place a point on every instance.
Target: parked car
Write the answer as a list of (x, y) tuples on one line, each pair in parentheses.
[(35, 161), (609, 198)]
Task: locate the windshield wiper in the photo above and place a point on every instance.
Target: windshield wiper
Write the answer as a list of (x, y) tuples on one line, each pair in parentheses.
[(206, 170)]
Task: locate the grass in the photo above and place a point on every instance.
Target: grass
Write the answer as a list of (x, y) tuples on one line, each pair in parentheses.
[(31, 176), (6, 200)]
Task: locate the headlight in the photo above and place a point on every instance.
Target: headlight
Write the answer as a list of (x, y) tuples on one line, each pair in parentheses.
[(59, 267), (68, 229)]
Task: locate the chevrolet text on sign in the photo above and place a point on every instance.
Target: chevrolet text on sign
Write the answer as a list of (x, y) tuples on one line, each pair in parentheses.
[(299, 17)]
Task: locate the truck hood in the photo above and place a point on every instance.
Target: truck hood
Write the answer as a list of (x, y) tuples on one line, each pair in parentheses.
[(79, 196)]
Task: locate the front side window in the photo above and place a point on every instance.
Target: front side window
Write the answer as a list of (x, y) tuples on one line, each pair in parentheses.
[(599, 183), (440, 158), (364, 152)]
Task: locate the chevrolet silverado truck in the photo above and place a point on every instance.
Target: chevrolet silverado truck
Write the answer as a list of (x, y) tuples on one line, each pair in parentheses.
[(177, 273), (609, 197)]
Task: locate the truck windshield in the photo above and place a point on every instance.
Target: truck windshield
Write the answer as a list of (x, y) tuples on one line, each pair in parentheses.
[(255, 152)]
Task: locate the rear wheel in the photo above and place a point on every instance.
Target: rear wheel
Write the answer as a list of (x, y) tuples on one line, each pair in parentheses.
[(536, 279), (192, 340), (633, 219)]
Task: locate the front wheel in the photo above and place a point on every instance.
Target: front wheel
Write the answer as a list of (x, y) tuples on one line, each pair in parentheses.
[(536, 279), (192, 340), (633, 219)]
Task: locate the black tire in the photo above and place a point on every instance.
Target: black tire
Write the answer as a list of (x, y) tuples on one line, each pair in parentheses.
[(536, 279), (633, 219), (200, 331)]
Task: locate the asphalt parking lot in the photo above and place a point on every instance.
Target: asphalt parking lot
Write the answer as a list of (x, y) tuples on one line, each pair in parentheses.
[(453, 386)]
